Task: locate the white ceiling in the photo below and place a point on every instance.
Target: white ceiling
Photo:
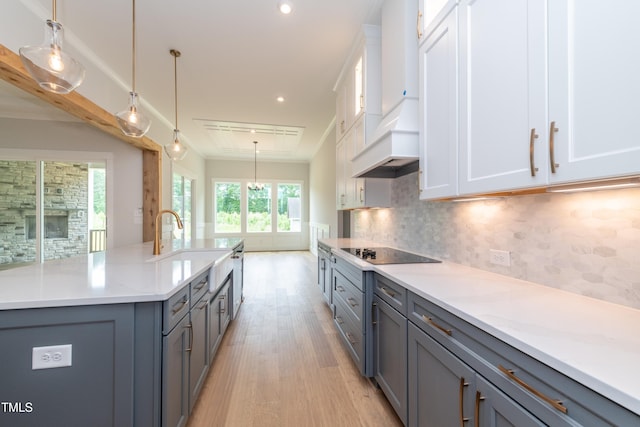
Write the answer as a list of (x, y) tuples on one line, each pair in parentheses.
[(237, 57)]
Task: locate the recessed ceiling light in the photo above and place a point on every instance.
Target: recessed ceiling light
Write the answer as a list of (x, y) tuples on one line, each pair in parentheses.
[(284, 7), (280, 99)]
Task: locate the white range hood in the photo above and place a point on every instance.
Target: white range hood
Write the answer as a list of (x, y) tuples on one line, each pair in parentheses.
[(393, 148)]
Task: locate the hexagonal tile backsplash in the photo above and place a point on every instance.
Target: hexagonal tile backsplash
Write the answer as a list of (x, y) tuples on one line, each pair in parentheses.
[(587, 243)]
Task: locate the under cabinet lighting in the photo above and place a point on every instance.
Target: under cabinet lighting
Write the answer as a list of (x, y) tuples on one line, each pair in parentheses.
[(612, 184), (474, 199)]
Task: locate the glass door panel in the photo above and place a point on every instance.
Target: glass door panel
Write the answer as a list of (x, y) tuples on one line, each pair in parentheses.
[(17, 213)]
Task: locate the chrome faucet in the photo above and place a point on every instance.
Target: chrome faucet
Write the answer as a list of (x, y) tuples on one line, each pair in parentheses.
[(156, 240)]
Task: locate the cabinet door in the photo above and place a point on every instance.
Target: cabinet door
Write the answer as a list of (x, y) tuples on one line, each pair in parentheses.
[(390, 355), (502, 95), (593, 89), (496, 409), (215, 334), (175, 375), (341, 111), (225, 312), (199, 355), (341, 189), (438, 58), (441, 387)]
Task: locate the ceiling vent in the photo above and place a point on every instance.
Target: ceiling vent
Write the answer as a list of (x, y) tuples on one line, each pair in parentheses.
[(236, 139)]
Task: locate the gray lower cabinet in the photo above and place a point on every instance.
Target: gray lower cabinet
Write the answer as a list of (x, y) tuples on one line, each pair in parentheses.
[(219, 317), (185, 357), (390, 354), (324, 272), (199, 352), (96, 390), (459, 372), (175, 375), (352, 296)]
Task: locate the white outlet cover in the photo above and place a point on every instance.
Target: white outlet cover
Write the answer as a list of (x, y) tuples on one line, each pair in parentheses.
[(53, 356)]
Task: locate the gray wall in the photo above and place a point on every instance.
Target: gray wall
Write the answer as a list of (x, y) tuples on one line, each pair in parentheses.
[(586, 243)]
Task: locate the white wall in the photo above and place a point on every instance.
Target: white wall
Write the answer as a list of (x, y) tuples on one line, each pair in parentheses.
[(322, 189), (266, 171), (80, 137)]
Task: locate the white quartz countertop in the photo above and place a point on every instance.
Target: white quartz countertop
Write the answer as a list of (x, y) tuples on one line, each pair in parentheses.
[(594, 342), (120, 275)]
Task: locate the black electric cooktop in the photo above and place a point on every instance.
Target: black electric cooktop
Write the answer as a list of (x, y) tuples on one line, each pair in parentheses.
[(387, 256)]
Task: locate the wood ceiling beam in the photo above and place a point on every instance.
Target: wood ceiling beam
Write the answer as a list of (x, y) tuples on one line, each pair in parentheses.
[(12, 71)]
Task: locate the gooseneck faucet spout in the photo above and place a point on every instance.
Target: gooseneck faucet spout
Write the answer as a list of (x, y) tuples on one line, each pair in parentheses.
[(156, 240)]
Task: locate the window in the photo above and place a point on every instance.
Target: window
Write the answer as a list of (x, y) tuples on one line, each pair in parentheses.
[(259, 210), (227, 207), (181, 203), (289, 207), (276, 208)]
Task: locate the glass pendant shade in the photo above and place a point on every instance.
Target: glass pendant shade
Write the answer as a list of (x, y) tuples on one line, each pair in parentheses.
[(176, 150), (53, 69), (132, 121)]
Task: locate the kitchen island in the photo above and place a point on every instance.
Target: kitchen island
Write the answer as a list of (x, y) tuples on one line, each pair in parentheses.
[(116, 338), (592, 344)]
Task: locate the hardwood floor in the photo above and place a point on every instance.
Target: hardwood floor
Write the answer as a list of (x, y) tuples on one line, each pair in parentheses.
[(281, 362)]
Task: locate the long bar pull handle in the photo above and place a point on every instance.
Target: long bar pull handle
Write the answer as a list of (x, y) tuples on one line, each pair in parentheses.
[(388, 292), (200, 285), (552, 156), (374, 313), (175, 309), (418, 25), (430, 321), (463, 384), (190, 327), (532, 162), (553, 402), (476, 412), (351, 339)]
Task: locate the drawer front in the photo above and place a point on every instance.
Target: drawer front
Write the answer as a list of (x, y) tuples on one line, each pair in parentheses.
[(348, 294), (175, 309), (351, 333), (392, 293), (429, 317), (199, 287), (350, 271)]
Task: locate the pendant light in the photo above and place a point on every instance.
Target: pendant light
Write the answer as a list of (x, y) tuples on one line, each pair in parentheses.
[(52, 68), (255, 186), (132, 121), (176, 150)]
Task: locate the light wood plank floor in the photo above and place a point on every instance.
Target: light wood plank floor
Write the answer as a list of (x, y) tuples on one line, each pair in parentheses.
[(281, 362)]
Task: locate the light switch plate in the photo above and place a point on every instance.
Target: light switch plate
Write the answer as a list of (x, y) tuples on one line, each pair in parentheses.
[(53, 356)]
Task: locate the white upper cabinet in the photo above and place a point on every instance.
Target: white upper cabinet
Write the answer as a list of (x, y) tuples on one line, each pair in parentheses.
[(502, 95), (594, 88), (358, 87), (438, 57)]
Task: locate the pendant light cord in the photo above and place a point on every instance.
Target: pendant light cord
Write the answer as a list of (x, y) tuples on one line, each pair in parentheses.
[(54, 10), (133, 49), (176, 54)]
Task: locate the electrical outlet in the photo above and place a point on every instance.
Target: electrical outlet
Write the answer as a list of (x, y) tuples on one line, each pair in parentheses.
[(500, 257), (53, 356)]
